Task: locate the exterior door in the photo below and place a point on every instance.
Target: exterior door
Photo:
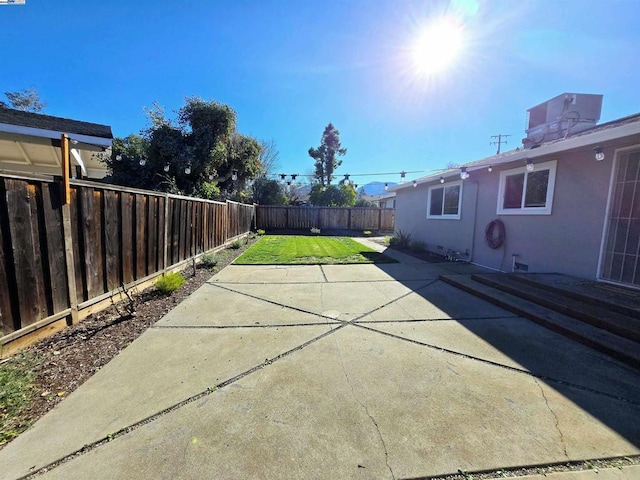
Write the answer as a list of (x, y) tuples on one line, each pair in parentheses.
[(621, 253)]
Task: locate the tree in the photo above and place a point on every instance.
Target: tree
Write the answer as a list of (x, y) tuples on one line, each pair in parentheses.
[(326, 155), (269, 157), (333, 196), (268, 192), (201, 153), (26, 100)]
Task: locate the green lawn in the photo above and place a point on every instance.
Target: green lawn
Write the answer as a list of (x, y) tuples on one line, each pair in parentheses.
[(309, 250)]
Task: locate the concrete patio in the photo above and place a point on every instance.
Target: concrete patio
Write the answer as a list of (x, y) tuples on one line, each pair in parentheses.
[(357, 371)]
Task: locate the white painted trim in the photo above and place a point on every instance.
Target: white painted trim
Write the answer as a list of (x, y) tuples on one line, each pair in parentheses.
[(42, 133), (546, 210), (607, 213), (444, 186)]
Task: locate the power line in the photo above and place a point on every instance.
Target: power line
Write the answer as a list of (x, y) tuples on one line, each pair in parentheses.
[(499, 141)]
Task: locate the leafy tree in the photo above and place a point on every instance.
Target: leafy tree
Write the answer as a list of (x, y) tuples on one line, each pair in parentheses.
[(333, 196), (268, 192), (200, 153), (326, 155), (26, 100)]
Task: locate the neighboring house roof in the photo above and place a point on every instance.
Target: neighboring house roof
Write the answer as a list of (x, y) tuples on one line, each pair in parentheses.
[(29, 142), (604, 132)]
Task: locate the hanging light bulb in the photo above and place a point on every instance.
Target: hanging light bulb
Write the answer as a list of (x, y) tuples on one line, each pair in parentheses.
[(118, 157), (234, 174), (346, 179), (402, 175), (441, 179), (143, 161), (490, 169), (210, 176), (415, 184), (187, 169), (386, 186), (463, 173), (166, 167), (530, 166), (599, 154)]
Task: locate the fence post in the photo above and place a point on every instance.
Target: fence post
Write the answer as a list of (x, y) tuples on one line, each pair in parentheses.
[(66, 226)]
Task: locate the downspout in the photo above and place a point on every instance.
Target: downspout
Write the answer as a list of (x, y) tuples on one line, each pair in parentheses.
[(475, 220)]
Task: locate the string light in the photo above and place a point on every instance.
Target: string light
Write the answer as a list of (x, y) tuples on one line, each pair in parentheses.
[(234, 175), (599, 154), (187, 169), (143, 161), (415, 183), (441, 179), (166, 167), (463, 173), (530, 166)]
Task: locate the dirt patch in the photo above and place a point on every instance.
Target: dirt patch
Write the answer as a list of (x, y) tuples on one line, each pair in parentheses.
[(67, 359)]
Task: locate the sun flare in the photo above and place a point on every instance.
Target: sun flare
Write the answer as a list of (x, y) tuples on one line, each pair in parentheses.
[(437, 47)]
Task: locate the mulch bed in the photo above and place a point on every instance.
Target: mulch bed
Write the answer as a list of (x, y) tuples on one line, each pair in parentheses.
[(68, 358)]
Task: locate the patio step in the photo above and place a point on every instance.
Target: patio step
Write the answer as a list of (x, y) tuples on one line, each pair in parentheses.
[(579, 307), (623, 300), (616, 346)]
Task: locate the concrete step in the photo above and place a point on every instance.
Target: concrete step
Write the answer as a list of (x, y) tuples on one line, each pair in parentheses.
[(613, 345), (623, 300), (558, 300)]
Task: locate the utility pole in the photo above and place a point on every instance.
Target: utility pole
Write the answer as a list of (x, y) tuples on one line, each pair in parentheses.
[(499, 141)]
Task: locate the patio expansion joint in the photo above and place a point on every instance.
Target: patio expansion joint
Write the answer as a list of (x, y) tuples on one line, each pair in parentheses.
[(544, 378), (324, 275), (176, 406), (555, 417), (230, 327), (366, 411), (256, 297), (427, 320)]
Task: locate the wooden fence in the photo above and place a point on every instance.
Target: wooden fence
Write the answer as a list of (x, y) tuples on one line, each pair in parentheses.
[(56, 261), (356, 218)]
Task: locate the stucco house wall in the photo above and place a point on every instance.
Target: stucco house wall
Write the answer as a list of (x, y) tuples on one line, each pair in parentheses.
[(567, 241)]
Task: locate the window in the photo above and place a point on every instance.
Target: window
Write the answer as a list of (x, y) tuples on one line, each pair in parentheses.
[(527, 193), (444, 201)]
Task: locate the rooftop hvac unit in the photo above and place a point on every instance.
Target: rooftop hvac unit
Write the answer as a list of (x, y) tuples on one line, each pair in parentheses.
[(562, 116)]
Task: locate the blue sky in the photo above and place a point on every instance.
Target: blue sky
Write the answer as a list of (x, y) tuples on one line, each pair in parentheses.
[(290, 67)]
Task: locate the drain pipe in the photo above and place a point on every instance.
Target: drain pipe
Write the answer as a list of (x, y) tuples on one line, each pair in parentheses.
[(514, 256)]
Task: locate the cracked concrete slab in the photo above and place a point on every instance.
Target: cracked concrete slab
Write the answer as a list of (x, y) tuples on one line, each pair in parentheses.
[(359, 404), (437, 300), (161, 368), (269, 274), (216, 306), (351, 299), (392, 271), (519, 343)]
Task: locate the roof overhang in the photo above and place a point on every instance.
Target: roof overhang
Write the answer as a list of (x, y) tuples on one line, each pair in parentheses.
[(593, 138)]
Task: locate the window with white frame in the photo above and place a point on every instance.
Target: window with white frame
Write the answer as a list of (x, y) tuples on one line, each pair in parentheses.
[(444, 201), (524, 192)]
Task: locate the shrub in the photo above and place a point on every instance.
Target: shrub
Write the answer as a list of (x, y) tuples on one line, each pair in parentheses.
[(261, 232), (209, 259), (236, 244), (367, 232), (170, 282), (418, 246), (400, 240), (315, 230)]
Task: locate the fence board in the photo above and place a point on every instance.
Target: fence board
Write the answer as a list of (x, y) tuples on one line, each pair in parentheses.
[(152, 235), (304, 218), (57, 262), (22, 242), (112, 239), (77, 247), (141, 226), (91, 208), (128, 237), (6, 314), (39, 233)]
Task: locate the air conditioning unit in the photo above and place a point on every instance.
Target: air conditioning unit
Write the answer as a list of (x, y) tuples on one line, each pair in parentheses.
[(561, 117)]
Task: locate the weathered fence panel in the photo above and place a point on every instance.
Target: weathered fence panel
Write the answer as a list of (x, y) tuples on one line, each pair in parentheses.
[(118, 237), (304, 218)]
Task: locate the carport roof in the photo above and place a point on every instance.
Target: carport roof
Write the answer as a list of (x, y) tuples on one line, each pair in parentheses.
[(39, 121)]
